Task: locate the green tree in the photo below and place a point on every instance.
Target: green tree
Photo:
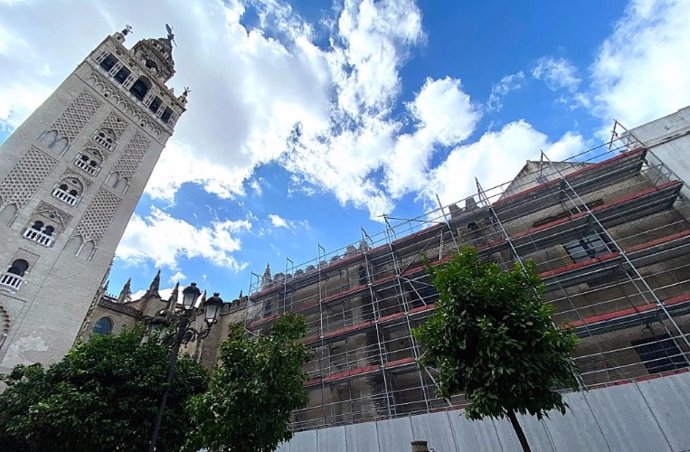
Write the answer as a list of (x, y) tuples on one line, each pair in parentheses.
[(257, 384), (492, 338), (102, 396)]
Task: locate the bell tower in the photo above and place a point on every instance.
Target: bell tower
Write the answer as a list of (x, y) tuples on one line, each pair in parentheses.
[(70, 178)]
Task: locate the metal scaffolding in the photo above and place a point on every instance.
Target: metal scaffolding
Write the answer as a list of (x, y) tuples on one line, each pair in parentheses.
[(608, 229)]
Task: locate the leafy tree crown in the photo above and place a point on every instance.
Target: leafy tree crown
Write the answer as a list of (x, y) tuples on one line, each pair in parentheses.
[(492, 338)]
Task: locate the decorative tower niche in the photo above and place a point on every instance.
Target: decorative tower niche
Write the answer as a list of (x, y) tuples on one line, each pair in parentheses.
[(70, 178)]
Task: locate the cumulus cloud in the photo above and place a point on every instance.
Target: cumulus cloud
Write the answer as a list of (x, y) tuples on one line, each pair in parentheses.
[(641, 71), (444, 116), (507, 84), (161, 239), (494, 159), (557, 73), (277, 221), (265, 94)]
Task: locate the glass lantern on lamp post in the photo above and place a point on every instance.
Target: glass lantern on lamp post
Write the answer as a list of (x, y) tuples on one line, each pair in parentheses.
[(181, 319)]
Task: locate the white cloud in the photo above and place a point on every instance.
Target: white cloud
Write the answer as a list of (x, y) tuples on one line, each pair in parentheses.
[(177, 277), (557, 73), (495, 158), (258, 97), (277, 221), (507, 84), (255, 185), (642, 70), (445, 116), (162, 239)]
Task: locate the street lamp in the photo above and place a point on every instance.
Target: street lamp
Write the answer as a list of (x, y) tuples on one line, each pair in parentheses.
[(184, 333)]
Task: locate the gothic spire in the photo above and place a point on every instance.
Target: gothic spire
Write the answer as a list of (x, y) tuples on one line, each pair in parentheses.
[(155, 285), (266, 279), (126, 292), (172, 301)]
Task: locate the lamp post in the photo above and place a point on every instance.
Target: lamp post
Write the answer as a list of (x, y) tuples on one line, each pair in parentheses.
[(184, 333)]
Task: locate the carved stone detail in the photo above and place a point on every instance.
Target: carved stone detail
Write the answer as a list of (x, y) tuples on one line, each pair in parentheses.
[(115, 123), (141, 116), (53, 213), (26, 176), (128, 163), (75, 117), (98, 216)]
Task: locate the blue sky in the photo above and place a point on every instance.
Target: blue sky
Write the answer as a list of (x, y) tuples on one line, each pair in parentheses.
[(308, 120)]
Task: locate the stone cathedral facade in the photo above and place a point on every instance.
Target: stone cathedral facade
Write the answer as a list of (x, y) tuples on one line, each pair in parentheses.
[(70, 178)]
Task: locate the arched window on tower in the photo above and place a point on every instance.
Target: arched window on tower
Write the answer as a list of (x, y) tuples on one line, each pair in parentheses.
[(69, 190), (155, 104), (140, 88), (104, 137), (166, 114), (89, 161), (108, 62), (122, 75), (103, 326), (152, 66), (14, 276), (40, 233)]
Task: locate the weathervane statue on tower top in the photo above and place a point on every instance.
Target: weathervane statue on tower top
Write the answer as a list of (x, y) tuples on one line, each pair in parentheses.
[(171, 35)]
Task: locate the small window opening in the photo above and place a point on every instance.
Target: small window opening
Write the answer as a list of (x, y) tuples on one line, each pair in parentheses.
[(49, 230), (155, 104), (166, 114), (19, 267), (105, 138), (140, 88), (38, 225), (152, 65), (122, 75), (103, 326), (108, 62), (586, 248), (659, 354)]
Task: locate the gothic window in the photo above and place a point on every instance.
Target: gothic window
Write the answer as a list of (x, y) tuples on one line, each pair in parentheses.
[(155, 104), (108, 62), (69, 190), (14, 276), (140, 88), (166, 114), (40, 233), (103, 326), (104, 137), (122, 74)]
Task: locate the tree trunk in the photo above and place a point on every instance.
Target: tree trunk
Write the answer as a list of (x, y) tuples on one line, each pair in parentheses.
[(518, 431)]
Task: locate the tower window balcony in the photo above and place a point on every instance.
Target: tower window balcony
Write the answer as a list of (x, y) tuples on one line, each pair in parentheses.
[(66, 195), (39, 237), (14, 276), (11, 280), (105, 138), (86, 164)]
